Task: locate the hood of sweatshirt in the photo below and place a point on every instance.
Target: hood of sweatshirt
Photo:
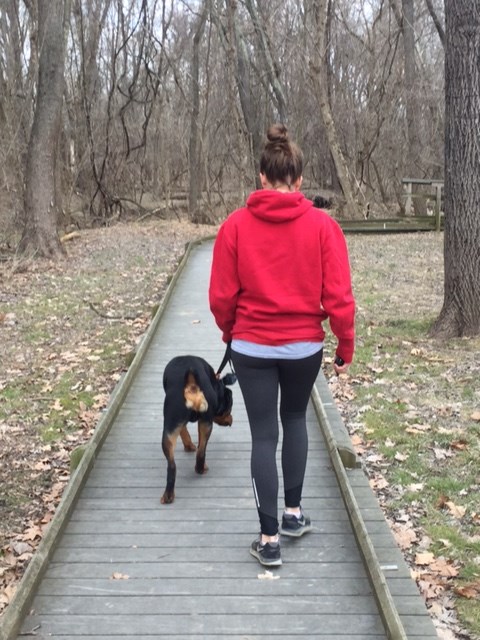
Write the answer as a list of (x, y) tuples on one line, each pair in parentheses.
[(276, 206)]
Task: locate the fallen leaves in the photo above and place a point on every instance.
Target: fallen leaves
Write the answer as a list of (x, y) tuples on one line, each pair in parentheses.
[(413, 425), (424, 558), (268, 575), (32, 533), (405, 536), (415, 487), (470, 590), (418, 428), (7, 594), (455, 510), (116, 575), (441, 454)]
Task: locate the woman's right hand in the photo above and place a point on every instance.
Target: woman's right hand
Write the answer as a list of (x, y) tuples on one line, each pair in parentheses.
[(340, 366)]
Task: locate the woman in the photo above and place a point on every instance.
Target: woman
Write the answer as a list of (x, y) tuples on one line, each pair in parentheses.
[(280, 268)]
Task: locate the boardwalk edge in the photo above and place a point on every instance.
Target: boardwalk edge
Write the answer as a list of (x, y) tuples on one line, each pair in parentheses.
[(322, 402)]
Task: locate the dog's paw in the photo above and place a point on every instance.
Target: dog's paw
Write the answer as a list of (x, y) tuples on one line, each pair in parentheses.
[(190, 447), (201, 470), (167, 498)]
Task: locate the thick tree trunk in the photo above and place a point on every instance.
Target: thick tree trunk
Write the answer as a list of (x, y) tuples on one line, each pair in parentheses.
[(460, 315), (40, 236)]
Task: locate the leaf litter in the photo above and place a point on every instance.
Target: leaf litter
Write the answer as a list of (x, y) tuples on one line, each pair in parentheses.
[(411, 405)]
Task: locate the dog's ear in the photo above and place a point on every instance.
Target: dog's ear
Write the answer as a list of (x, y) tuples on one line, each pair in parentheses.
[(229, 379)]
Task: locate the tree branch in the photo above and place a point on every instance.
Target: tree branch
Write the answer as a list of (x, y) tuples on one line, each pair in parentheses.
[(436, 20)]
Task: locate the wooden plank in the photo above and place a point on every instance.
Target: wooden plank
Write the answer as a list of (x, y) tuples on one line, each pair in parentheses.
[(199, 528), (205, 540), (390, 226), (222, 625), (146, 604), (186, 498), (348, 587), (137, 555), (161, 636), (422, 181), (243, 568), (97, 516), (239, 470)]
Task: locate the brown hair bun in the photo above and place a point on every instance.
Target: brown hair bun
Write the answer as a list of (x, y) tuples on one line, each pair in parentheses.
[(277, 133), (281, 161)]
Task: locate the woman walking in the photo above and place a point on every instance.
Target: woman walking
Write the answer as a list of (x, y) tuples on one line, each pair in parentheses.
[(280, 269)]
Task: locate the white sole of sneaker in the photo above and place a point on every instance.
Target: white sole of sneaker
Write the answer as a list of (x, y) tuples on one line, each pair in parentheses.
[(295, 534), (263, 562)]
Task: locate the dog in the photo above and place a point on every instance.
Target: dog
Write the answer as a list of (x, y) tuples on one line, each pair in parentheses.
[(322, 203), (193, 393)]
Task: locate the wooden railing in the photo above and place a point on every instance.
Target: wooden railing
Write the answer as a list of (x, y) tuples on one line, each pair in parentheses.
[(435, 195)]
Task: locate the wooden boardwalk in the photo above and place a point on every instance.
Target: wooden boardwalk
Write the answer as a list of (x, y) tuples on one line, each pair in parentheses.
[(128, 567)]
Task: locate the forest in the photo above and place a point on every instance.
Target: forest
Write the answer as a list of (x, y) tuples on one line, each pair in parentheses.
[(140, 107), (135, 126)]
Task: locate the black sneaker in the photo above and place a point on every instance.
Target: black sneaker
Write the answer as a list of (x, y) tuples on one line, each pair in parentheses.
[(293, 526), (267, 554)]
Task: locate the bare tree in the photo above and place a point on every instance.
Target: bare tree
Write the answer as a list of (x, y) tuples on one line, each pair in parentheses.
[(413, 168), (16, 88), (436, 20), (270, 65), (319, 74), (41, 208), (128, 135), (194, 160), (460, 315), (88, 23), (239, 59)]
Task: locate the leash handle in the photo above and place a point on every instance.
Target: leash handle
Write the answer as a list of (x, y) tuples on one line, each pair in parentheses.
[(226, 358)]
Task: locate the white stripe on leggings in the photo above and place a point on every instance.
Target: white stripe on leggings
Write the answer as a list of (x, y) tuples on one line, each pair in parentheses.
[(255, 492)]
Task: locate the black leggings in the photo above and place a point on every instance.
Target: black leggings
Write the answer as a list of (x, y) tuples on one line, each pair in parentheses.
[(260, 380)]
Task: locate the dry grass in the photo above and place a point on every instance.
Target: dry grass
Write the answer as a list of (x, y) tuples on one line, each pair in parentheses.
[(412, 406)]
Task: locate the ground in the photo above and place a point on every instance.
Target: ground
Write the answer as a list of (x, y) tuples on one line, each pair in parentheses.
[(69, 329)]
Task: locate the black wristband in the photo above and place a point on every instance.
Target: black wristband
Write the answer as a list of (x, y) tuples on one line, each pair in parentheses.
[(339, 361)]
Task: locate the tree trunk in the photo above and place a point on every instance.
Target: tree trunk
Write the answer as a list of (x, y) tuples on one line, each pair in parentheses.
[(250, 114), (319, 75), (40, 236), (460, 315), (195, 179), (271, 67), (413, 168)]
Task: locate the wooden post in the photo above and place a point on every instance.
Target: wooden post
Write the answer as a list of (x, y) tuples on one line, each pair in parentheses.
[(438, 205), (408, 201)]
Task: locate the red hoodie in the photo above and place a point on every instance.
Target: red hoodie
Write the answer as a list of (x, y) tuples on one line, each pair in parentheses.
[(280, 268)]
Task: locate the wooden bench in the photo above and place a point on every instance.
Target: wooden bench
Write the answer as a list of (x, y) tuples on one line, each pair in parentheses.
[(436, 195)]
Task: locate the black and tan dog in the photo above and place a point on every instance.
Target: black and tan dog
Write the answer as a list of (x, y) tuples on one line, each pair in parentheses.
[(193, 393)]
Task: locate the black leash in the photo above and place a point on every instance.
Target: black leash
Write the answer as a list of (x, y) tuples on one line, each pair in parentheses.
[(227, 358)]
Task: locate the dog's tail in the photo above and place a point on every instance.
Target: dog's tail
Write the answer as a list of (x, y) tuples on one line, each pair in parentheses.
[(194, 397)]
